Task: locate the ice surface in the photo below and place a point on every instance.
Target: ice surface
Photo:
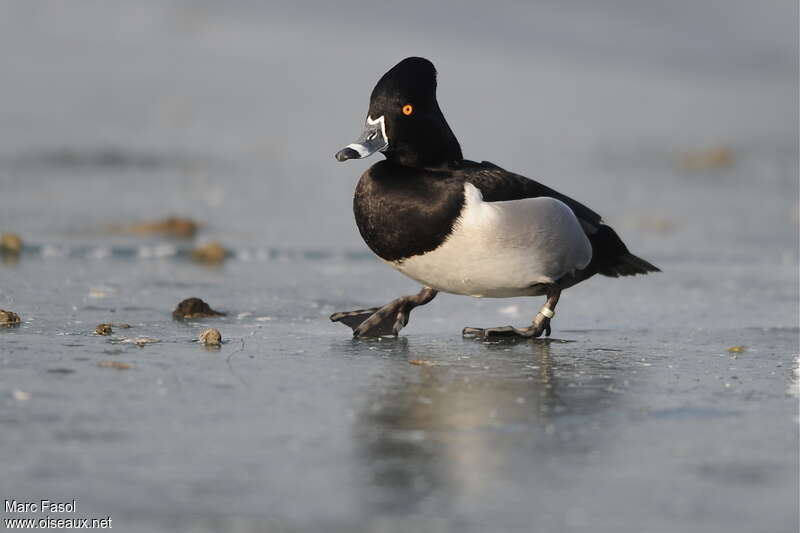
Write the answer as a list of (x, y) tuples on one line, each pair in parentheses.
[(116, 113)]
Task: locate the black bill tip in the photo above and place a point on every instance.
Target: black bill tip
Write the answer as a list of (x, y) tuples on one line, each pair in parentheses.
[(347, 153)]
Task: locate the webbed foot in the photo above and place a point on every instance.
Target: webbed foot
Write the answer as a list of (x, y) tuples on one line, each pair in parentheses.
[(386, 320), (353, 319), (531, 332)]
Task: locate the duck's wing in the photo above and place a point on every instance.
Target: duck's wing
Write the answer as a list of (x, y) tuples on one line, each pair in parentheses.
[(610, 256), (499, 185)]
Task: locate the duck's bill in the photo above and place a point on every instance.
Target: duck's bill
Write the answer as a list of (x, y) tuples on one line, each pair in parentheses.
[(372, 140)]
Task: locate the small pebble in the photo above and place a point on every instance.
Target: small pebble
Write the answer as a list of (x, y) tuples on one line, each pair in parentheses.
[(9, 318), (210, 337), (103, 329)]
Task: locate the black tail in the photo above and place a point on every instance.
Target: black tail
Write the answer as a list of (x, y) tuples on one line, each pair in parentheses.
[(610, 256)]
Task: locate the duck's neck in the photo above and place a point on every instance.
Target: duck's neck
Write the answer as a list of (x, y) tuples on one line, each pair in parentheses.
[(415, 159)]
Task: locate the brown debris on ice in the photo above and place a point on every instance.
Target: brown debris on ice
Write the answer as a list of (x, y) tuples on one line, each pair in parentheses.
[(103, 329), (212, 253), (718, 157), (194, 308), (9, 318), (171, 227), (10, 248), (653, 223), (10, 243), (118, 365)]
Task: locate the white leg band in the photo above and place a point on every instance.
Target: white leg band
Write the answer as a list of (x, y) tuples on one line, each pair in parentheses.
[(547, 312)]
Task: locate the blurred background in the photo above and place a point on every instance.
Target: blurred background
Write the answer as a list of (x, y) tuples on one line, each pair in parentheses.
[(674, 409), (656, 115)]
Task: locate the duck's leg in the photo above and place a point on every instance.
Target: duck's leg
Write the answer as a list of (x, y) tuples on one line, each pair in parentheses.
[(386, 320), (541, 322)]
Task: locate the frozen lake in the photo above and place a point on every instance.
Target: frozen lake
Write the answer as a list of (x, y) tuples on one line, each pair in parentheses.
[(677, 123)]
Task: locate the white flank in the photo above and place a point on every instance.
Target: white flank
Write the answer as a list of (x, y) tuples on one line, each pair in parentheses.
[(502, 249)]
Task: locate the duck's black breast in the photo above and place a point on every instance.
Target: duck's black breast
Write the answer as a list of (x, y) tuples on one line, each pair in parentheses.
[(402, 211)]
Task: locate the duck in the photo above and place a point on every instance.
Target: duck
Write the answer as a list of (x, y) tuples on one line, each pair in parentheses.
[(463, 227)]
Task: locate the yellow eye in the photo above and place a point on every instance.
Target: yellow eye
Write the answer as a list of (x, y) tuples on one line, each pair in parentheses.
[(408, 109)]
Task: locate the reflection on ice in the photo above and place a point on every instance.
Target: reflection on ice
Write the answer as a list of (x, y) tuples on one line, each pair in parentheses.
[(451, 432)]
